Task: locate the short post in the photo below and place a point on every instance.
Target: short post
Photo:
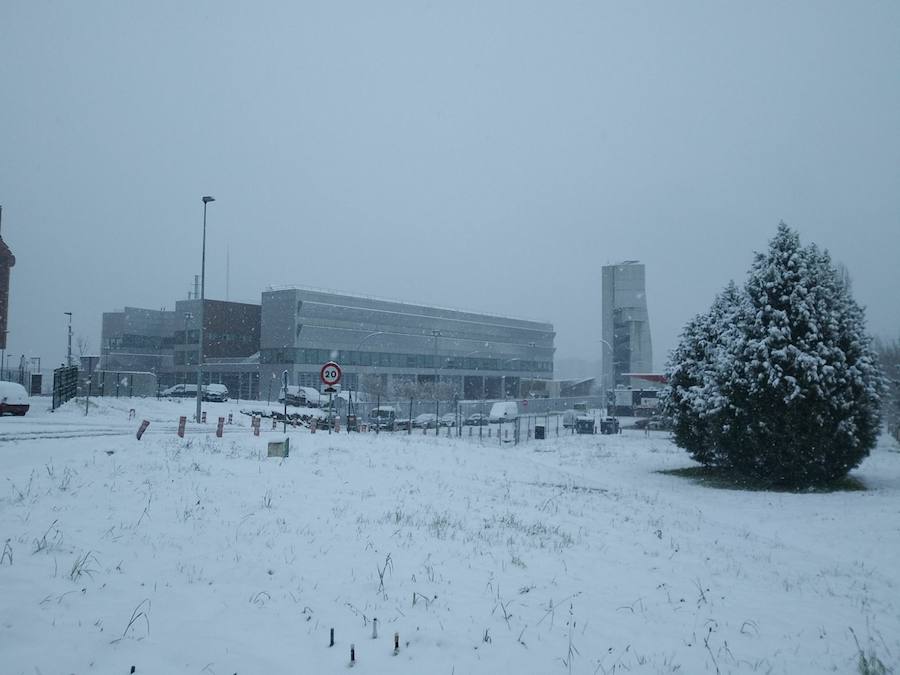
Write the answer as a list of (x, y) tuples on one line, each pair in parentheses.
[(375, 628), (352, 654), (220, 427), (203, 417), (142, 428), (181, 422), (331, 641), (396, 643)]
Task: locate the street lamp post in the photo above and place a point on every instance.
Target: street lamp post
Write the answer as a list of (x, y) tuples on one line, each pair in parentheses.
[(206, 200), (69, 351), (612, 366), (437, 417), (187, 317)]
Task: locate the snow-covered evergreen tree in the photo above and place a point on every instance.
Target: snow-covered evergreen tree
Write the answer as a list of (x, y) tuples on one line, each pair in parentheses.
[(696, 370), (803, 396), (780, 381)]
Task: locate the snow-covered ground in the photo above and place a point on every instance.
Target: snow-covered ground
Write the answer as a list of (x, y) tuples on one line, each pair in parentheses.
[(202, 555)]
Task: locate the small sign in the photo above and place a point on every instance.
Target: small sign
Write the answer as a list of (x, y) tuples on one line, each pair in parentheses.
[(330, 373)]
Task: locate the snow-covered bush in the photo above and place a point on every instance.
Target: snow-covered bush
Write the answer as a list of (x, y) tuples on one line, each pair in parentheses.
[(778, 381)]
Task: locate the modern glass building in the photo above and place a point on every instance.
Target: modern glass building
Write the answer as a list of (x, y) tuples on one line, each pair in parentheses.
[(393, 348), (626, 324)]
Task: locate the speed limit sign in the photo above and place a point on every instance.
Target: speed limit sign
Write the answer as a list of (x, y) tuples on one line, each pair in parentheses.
[(330, 373)]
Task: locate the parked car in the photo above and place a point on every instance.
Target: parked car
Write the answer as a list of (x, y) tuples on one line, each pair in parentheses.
[(180, 391), (214, 392), (448, 420), (476, 420), (13, 399), (402, 424), (383, 417), (504, 411), (425, 421)]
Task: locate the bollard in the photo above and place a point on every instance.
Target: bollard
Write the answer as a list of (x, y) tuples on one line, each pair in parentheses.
[(396, 643), (181, 422), (203, 417), (352, 654), (375, 628), (312, 425), (331, 643), (337, 424), (142, 428), (230, 418), (274, 424), (220, 427), (255, 425)]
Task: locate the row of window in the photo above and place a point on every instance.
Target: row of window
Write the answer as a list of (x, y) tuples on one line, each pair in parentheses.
[(406, 361)]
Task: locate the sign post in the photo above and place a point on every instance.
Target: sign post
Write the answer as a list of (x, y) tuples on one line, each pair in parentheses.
[(330, 375), (284, 384)]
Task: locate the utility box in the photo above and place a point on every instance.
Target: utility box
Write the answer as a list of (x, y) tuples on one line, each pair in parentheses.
[(280, 448)]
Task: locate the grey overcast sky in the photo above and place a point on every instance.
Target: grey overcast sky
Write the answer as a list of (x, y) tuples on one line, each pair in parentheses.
[(482, 155)]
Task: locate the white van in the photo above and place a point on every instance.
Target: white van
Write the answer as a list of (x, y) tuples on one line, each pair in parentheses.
[(504, 411)]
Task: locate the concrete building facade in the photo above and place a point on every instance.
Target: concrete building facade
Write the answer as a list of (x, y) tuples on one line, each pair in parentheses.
[(627, 347)]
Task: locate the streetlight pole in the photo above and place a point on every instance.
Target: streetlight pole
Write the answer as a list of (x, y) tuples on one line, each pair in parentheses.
[(437, 418), (187, 317), (612, 373), (69, 352), (206, 200)]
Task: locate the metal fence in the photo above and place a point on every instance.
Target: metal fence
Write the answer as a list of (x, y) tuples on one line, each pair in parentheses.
[(65, 385), (117, 383)]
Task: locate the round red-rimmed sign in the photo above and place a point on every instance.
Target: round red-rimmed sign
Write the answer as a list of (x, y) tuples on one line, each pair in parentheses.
[(330, 373)]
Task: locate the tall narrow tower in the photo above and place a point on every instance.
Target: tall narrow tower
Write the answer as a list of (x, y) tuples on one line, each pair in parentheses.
[(7, 260), (626, 324)]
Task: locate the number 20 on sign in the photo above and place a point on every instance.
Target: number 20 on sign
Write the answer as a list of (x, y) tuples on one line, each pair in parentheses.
[(330, 373)]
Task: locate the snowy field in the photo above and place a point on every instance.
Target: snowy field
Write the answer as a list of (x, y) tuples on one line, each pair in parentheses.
[(571, 555)]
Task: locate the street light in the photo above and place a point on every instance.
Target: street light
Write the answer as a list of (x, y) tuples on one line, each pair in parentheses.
[(437, 417), (69, 352), (612, 367), (187, 317), (206, 200)]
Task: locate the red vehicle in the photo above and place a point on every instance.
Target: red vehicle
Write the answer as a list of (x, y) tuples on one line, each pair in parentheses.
[(13, 399)]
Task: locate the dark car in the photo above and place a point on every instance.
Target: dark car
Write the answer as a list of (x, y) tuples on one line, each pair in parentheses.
[(476, 420)]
